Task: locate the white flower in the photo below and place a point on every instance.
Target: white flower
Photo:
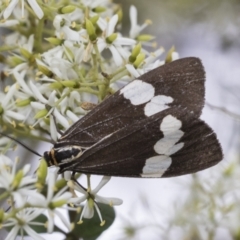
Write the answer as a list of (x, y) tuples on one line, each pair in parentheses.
[(55, 60), (63, 24), (17, 183), (54, 201), (33, 3), (23, 222), (135, 28), (7, 109), (40, 105), (23, 64), (92, 198), (118, 52)]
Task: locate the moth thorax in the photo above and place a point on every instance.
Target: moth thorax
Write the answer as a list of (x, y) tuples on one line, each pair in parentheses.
[(61, 155)]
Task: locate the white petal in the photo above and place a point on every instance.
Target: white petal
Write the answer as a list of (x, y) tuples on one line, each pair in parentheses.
[(19, 199), (133, 21), (67, 175), (111, 25), (101, 45), (34, 5), (51, 98), (74, 96), (14, 115), (132, 70), (13, 233), (89, 211), (116, 56), (124, 41), (62, 197), (64, 104), (22, 83), (50, 225), (102, 183), (70, 34), (32, 233), (51, 183), (124, 52), (35, 198), (57, 22), (29, 44), (175, 56), (26, 168), (77, 200), (72, 116), (37, 93), (64, 220), (9, 9), (61, 119), (9, 96), (133, 15), (37, 105), (107, 200)]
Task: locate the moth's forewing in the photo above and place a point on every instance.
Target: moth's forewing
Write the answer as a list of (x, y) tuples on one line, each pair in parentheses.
[(182, 80)]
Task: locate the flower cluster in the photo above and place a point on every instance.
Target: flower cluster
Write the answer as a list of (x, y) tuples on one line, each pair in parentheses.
[(29, 197), (26, 201), (56, 60), (53, 71)]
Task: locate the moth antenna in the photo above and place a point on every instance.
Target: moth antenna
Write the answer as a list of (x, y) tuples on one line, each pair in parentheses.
[(58, 130), (22, 144)]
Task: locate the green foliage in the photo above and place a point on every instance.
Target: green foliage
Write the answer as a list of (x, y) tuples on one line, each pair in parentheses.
[(90, 229)]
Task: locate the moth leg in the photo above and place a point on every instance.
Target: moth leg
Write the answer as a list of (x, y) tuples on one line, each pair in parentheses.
[(76, 181)]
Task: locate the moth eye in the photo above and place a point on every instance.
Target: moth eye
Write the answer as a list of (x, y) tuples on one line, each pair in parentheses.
[(48, 158)]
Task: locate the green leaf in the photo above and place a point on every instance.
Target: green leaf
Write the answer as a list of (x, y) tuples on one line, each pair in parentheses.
[(90, 229), (39, 229), (40, 219)]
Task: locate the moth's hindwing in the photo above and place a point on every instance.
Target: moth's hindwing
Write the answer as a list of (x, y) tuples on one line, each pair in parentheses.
[(161, 146), (149, 128)]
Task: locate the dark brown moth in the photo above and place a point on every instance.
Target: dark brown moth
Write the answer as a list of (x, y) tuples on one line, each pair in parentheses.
[(149, 128)]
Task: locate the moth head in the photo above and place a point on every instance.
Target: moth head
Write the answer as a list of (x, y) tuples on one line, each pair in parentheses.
[(48, 158)]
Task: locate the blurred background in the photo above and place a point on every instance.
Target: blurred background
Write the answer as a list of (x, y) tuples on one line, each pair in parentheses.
[(204, 205)]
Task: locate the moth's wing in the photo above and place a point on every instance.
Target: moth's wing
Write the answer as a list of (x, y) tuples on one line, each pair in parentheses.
[(165, 145), (179, 84)]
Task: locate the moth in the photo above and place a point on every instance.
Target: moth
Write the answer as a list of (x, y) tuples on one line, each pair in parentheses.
[(149, 128)]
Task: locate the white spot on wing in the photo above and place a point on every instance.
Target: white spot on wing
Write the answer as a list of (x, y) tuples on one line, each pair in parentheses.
[(170, 124), (157, 104), (165, 147), (156, 166), (138, 92)]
